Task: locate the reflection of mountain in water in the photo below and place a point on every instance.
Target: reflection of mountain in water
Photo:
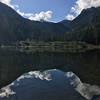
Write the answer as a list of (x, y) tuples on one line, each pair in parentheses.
[(48, 85), (85, 65)]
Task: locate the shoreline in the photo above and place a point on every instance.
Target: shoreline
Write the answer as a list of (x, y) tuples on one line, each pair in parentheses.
[(53, 48)]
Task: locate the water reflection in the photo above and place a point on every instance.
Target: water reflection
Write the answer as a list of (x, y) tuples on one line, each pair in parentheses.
[(47, 85), (14, 63)]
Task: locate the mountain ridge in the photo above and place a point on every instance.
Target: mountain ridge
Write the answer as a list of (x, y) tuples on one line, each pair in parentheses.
[(14, 28)]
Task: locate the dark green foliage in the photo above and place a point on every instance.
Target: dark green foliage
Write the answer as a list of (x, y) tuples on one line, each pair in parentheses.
[(86, 26), (14, 28)]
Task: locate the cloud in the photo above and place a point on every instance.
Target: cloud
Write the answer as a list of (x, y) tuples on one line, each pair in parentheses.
[(70, 17), (8, 2), (42, 16), (38, 16), (24, 14), (83, 4)]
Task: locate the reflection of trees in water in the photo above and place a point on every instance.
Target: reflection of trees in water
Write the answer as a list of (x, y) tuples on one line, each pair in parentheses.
[(14, 63)]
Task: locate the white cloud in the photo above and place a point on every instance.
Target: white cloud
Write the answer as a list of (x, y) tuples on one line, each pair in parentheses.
[(38, 16), (8, 2), (70, 17), (84, 4), (42, 16), (24, 14)]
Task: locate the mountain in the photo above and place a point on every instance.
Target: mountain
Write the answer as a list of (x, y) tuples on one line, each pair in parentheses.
[(87, 17), (10, 24), (15, 28), (90, 16), (66, 23), (86, 26)]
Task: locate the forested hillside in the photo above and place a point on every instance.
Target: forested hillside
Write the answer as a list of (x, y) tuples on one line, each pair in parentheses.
[(14, 28)]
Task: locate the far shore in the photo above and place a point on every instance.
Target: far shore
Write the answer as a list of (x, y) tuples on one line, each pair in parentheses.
[(53, 46)]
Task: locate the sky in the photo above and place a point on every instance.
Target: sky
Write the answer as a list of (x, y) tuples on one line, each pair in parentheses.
[(50, 10)]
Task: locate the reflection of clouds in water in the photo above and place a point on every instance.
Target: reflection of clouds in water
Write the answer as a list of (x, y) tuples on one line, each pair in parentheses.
[(50, 77), (86, 90), (6, 92), (36, 74)]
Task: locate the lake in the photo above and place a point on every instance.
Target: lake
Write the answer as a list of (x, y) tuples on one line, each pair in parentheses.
[(14, 63)]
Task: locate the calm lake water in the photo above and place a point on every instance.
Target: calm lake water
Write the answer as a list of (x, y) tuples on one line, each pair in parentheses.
[(14, 63)]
